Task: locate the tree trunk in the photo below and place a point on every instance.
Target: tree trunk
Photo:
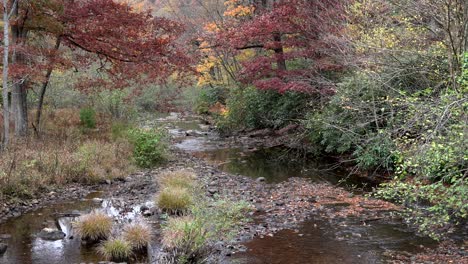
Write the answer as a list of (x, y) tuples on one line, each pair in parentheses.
[(19, 94), (44, 88), (279, 52), (6, 49)]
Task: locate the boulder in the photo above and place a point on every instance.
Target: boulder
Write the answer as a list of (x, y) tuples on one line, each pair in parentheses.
[(51, 234), (3, 248)]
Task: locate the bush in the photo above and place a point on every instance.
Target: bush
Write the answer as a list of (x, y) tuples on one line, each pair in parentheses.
[(116, 249), (175, 200), (178, 179), (88, 118), (435, 209), (208, 97), (251, 108), (94, 226), (102, 160), (431, 164), (120, 129), (138, 235), (358, 120), (150, 147), (113, 103), (191, 239)]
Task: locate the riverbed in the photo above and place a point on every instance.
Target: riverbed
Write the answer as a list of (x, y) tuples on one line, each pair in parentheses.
[(313, 235)]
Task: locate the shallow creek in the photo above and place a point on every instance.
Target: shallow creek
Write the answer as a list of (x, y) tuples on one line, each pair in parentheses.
[(315, 241)]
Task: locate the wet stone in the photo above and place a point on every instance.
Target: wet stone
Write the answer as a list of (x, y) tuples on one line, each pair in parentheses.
[(51, 234), (3, 248), (260, 179), (98, 200)]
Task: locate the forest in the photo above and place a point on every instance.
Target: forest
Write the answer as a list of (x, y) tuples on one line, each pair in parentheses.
[(234, 131)]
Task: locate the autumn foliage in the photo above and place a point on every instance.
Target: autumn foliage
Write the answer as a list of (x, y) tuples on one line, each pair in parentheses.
[(297, 43)]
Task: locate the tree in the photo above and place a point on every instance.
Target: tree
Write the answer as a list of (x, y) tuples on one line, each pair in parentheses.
[(131, 47), (297, 43), (7, 14)]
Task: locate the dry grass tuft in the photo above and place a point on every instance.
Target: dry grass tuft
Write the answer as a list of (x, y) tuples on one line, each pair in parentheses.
[(138, 235), (95, 226), (181, 178), (115, 249), (175, 200)]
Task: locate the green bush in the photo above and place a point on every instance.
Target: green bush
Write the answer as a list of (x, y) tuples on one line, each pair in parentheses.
[(120, 129), (150, 147), (431, 163), (88, 118), (358, 120), (208, 97), (191, 239), (174, 200), (435, 209), (251, 108)]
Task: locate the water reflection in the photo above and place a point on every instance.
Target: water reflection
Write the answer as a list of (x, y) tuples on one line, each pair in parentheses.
[(25, 247), (317, 241)]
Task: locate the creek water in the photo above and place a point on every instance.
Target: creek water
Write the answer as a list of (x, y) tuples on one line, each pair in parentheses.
[(315, 241)]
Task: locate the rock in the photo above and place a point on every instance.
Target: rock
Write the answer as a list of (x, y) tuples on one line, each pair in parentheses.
[(51, 234), (108, 182), (147, 213), (98, 200), (5, 236), (279, 203), (285, 130), (3, 248), (144, 208), (260, 133), (260, 179), (212, 191)]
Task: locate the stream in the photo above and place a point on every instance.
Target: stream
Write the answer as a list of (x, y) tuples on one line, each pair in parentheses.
[(314, 241)]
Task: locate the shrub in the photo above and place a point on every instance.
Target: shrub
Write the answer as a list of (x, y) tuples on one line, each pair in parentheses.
[(175, 200), (114, 104), (104, 160), (179, 178), (251, 108), (138, 235), (150, 147), (119, 130), (191, 239), (435, 209), (186, 240), (88, 118), (208, 97), (115, 249), (356, 121), (431, 164), (94, 226)]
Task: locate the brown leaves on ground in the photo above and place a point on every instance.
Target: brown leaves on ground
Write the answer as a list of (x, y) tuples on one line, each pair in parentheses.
[(297, 196)]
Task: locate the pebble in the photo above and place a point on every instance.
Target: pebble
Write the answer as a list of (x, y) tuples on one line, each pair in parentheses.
[(3, 248), (98, 200)]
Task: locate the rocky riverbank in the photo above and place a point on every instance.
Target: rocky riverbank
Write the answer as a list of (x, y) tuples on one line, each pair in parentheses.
[(275, 206)]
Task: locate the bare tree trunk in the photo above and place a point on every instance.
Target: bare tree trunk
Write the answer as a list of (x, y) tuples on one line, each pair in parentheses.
[(44, 88), (19, 94), (279, 52), (6, 51)]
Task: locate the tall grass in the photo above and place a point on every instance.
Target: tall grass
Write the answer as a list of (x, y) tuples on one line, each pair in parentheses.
[(63, 154)]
